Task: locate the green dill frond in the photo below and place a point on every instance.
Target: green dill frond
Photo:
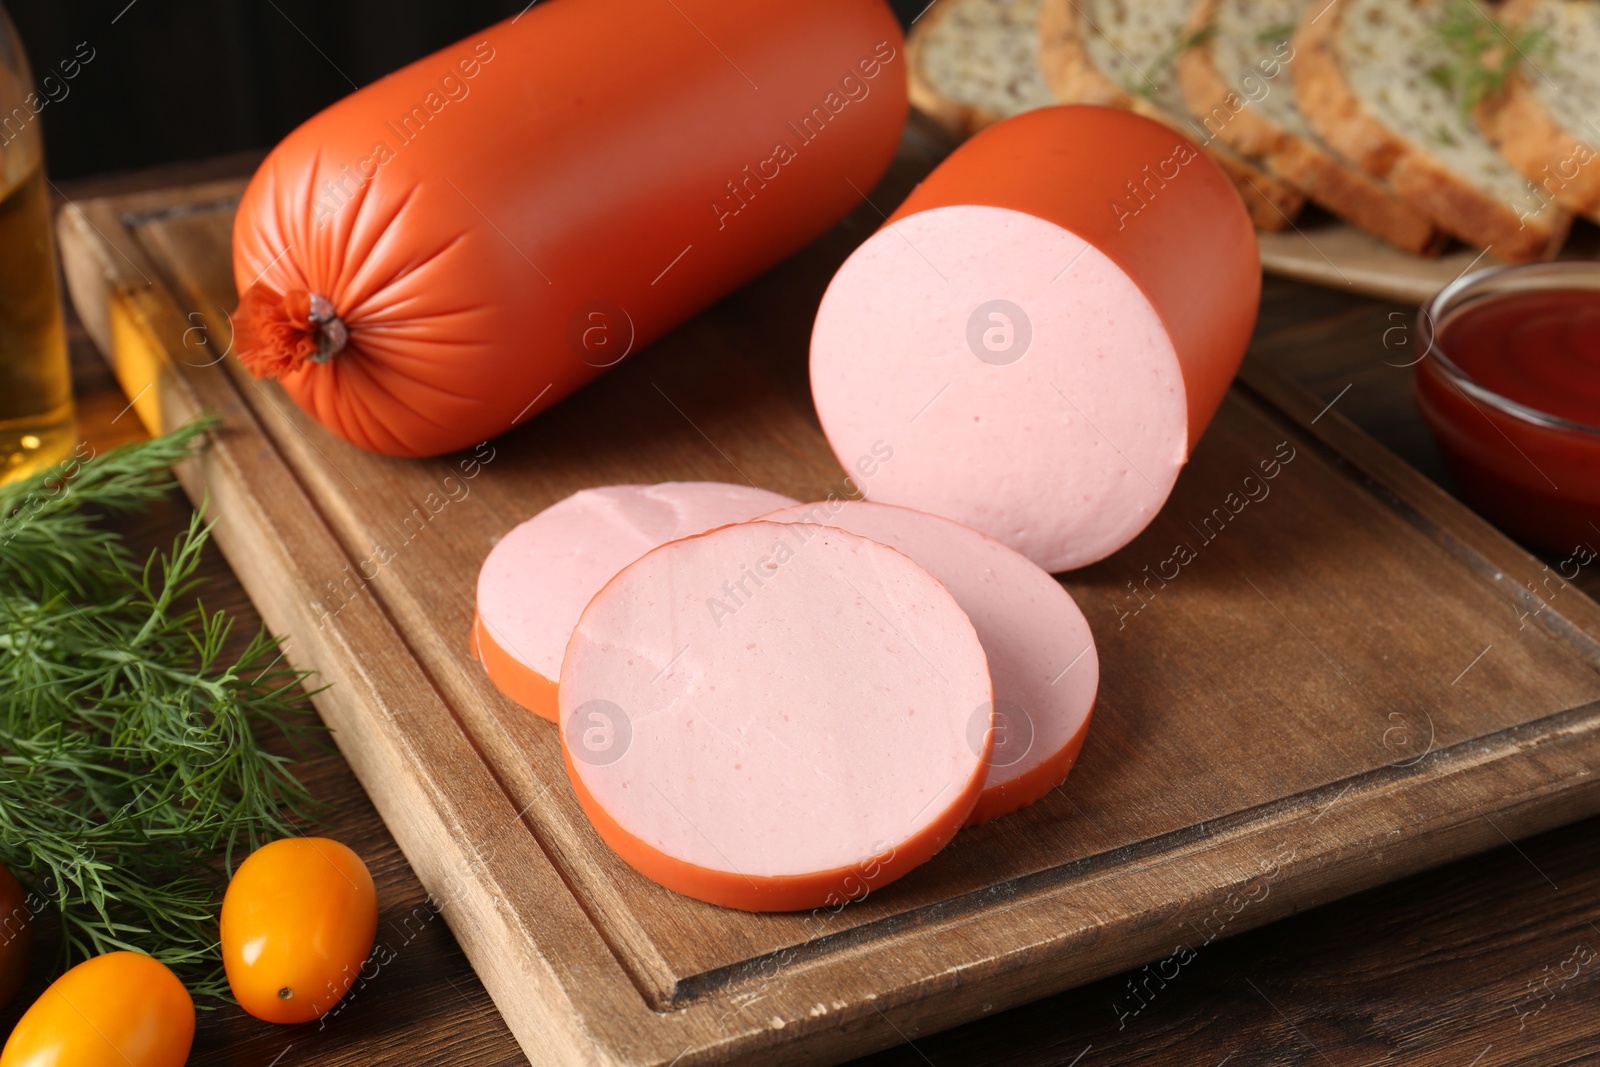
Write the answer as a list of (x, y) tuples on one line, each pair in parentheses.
[(1483, 53), (1281, 31), (133, 773), (1162, 65)]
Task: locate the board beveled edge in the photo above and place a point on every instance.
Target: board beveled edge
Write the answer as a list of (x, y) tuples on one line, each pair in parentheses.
[(1462, 533), (1240, 825), (1017, 950)]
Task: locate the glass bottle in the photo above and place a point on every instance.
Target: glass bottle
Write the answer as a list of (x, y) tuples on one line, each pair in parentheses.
[(36, 418)]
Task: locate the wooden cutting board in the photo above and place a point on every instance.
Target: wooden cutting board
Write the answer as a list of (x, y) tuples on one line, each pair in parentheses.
[(1312, 683)]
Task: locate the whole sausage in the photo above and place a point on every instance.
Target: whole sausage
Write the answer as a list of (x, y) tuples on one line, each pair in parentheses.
[(454, 248)]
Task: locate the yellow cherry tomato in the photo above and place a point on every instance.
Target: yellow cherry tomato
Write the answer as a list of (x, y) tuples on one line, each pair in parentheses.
[(122, 1009), (298, 921), (16, 936)]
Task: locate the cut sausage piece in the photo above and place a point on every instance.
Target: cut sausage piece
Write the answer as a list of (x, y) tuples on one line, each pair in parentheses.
[(1041, 332), (775, 716), (1042, 657), (539, 577)]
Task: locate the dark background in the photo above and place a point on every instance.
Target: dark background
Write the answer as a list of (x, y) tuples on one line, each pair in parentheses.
[(183, 79)]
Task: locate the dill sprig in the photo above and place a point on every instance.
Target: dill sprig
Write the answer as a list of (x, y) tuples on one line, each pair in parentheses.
[(132, 766), (1483, 53), (1188, 39), (1279, 31), (1161, 66)]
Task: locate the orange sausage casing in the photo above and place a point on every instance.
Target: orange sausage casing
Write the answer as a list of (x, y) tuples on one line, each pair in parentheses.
[(452, 249)]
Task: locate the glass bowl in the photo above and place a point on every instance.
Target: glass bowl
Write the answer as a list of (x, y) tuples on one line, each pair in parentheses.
[(1534, 474)]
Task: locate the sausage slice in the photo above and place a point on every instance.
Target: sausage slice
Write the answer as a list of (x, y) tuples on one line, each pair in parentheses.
[(538, 578), (775, 716), (1042, 656)]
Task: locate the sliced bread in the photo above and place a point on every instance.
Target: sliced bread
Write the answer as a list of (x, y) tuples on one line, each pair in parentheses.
[(1364, 76), (975, 62), (1121, 53), (1235, 81), (1546, 118)]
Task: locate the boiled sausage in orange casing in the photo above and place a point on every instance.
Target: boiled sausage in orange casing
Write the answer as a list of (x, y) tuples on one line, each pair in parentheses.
[(457, 246), (1041, 332)]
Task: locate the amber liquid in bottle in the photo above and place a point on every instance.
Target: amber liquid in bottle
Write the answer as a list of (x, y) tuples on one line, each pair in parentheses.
[(36, 424)]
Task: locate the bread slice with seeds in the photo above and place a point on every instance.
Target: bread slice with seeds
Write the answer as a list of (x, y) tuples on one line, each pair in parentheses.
[(1235, 80), (1545, 119), (975, 62), (1122, 53), (1367, 75)]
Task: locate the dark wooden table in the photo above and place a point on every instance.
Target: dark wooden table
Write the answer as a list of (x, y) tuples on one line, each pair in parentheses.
[(1488, 962)]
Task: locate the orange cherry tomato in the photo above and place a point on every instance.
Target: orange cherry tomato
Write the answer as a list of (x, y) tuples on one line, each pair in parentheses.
[(16, 936), (122, 1009), (298, 921)]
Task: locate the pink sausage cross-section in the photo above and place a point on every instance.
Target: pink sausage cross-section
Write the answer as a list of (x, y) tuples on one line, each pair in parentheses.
[(1042, 656), (540, 576), (1042, 331), (775, 716)]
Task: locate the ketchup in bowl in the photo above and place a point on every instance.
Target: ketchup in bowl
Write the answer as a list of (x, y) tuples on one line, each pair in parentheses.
[(1510, 387)]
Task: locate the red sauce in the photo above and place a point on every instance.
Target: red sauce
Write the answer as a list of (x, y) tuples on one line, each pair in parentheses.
[(1539, 347)]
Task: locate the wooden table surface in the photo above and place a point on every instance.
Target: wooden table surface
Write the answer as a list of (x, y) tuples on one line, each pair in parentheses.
[(1490, 961)]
